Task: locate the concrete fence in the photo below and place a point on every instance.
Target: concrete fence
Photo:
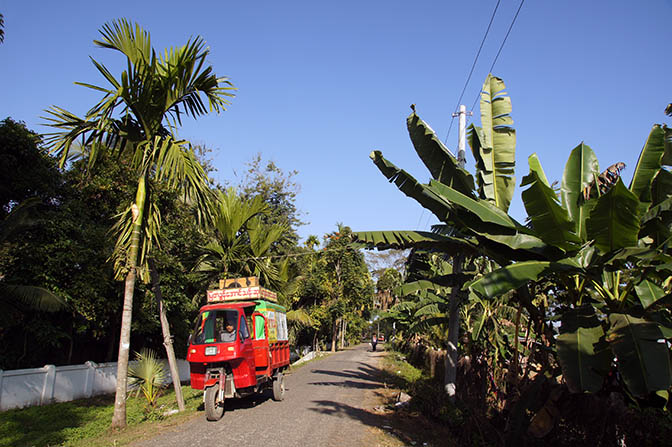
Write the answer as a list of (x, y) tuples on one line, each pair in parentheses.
[(40, 386)]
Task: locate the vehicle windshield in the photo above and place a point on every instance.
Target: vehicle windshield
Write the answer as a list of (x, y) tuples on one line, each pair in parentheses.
[(215, 326)]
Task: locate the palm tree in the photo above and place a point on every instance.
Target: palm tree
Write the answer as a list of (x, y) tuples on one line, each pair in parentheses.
[(242, 242), (136, 120)]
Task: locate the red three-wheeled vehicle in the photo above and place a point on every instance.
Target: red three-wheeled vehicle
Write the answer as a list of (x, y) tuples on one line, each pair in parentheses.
[(239, 346)]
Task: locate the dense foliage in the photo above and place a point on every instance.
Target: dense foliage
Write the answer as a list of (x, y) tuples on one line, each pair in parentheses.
[(64, 247), (594, 256)]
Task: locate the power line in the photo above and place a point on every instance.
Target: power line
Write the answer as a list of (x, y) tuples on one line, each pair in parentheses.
[(500, 49), (478, 53)]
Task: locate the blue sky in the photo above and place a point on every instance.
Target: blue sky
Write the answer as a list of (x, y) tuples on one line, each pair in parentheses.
[(322, 84)]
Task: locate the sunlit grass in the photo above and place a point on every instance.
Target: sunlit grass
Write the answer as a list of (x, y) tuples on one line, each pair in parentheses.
[(86, 422)]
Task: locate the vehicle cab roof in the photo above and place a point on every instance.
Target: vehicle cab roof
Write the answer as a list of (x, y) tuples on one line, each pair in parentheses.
[(228, 305)]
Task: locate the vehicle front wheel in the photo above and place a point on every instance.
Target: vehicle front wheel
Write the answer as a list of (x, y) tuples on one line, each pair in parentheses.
[(214, 408), (279, 387)]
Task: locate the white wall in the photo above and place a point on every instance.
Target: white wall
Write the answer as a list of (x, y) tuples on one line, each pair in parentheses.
[(39, 386)]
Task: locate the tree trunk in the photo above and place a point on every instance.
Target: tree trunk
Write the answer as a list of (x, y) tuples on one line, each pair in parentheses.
[(334, 334), (119, 415), (453, 333), (167, 339), (513, 371)]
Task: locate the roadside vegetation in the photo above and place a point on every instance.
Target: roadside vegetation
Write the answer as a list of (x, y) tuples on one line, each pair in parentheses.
[(542, 322), (86, 422)]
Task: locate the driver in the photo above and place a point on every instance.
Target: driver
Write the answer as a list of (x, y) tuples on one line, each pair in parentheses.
[(229, 332)]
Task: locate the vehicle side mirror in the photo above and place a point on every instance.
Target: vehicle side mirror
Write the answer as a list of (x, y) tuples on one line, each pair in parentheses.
[(189, 340)]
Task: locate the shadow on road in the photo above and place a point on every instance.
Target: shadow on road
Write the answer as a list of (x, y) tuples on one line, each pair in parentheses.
[(366, 417), (348, 384), (366, 377)]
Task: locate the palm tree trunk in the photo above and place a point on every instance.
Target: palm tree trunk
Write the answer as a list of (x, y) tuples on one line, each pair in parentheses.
[(167, 339), (119, 415), (453, 333)]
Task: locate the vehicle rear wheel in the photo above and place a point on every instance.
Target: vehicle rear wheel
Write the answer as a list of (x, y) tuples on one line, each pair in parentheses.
[(279, 387), (214, 408)]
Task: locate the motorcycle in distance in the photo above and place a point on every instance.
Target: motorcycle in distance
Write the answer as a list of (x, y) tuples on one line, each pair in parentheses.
[(239, 345)]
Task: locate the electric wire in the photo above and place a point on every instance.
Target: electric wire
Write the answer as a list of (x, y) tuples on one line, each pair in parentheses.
[(471, 72), (500, 49)]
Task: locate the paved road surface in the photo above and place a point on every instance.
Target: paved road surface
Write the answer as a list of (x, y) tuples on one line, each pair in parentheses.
[(325, 403)]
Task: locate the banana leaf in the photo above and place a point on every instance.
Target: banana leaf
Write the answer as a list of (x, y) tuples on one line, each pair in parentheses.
[(581, 165), (648, 293), (648, 164), (657, 220), (614, 221), (411, 187), (436, 156), (642, 355), (503, 235), (494, 145), (584, 355), (436, 283), (515, 275), (661, 187), (484, 210), (667, 141), (550, 221), (400, 240)]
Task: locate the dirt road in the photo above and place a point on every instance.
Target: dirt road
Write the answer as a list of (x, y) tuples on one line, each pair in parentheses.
[(325, 404)]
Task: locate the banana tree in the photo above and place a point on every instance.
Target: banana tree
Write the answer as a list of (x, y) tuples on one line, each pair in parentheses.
[(614, 269), (474, 212)]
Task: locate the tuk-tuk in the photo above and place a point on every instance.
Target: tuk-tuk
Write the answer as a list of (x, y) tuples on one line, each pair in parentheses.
[(239, 345)]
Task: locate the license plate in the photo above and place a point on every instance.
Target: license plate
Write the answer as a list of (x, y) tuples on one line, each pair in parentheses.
[(211, 350)]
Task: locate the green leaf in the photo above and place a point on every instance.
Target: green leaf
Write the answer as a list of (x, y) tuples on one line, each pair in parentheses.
[(667, 155), (36, 298), (643, 361), (535, 166), (400, 240), (515, 275), (648, 164), (614, 222), (657, 220), (436, 156), (550, 221), (494, 145), (581, 165), (484, 210), (411, 187), (648, 293), (584, 356)]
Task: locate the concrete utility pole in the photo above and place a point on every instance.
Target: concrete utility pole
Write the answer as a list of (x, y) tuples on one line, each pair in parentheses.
[(455, 294), (462, 136)]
